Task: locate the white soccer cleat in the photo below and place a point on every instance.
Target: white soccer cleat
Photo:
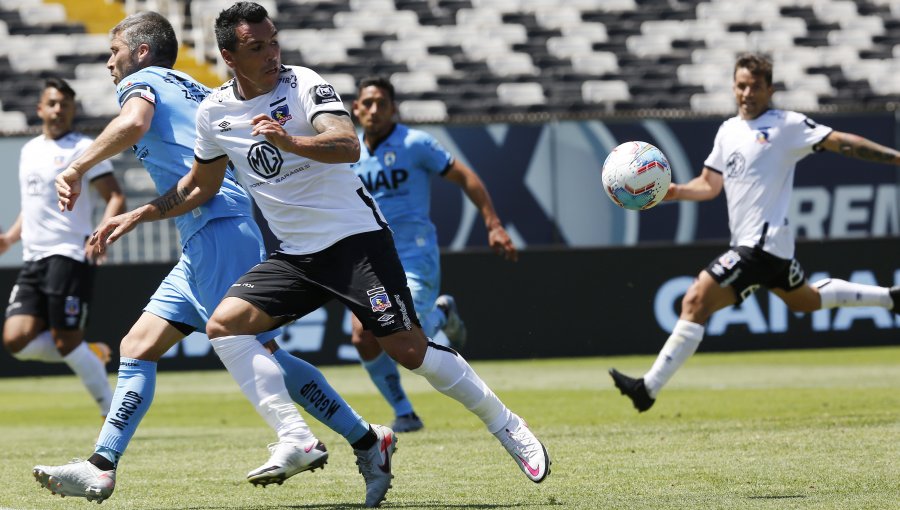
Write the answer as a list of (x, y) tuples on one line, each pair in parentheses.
[(78, 478), (289, 458), (101, 350), (525, 449), (455, 328), (375, 465)]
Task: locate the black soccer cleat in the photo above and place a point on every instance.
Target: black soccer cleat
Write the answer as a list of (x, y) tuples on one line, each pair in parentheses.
[(634, 389), (895, 295)]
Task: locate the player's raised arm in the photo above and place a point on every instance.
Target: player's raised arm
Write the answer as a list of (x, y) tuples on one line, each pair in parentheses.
[(858, 147), (705, 186), (120, 134), (192, 190)]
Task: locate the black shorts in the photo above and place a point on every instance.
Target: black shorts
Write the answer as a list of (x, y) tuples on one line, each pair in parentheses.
[(57, 289), (746, 269), (362, 271)]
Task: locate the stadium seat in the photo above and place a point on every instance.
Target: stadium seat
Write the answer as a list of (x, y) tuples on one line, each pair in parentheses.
[(423, 111), (521, 93)]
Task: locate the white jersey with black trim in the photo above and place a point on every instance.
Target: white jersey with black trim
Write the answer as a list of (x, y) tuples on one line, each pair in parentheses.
[(45, 230), (757, 159), (309, 205)]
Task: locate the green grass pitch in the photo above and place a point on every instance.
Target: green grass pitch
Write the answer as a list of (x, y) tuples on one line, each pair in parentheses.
[(815, 429)]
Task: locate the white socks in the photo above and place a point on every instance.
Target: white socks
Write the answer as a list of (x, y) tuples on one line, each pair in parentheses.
[(682, 343), (837, 293), (260, 379), (41, 348), (451, 375), (88, 367)]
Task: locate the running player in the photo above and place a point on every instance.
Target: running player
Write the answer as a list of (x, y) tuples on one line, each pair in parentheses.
[(753, 160), (396, 166), (49, 304), (158, 119), (292, 142)]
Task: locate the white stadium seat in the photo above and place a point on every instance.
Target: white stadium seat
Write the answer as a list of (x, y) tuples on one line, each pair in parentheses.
[(596, 63), (512, 64), (605, 91), (432, 110), (521, 94), (713, 102), (414, 82), (800, 100)]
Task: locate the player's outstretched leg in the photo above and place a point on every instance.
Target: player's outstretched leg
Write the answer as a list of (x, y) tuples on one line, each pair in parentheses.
[(455, 328), (79, 479), (633, 389), (289, 458), (451, 375), (374, 464)]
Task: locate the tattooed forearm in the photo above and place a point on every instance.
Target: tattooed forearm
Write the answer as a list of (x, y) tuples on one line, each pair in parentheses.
[(862, 148), (170, 200)]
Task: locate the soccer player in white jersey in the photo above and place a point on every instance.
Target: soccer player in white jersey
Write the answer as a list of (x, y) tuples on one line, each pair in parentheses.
[(48, 305), (753, 160), (159, 106), (292, 142), (396, 166)]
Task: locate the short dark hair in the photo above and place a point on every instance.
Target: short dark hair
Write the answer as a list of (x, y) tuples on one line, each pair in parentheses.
[(757, 64), (231, 17), (376, 81), (60, 85), (152, 29)]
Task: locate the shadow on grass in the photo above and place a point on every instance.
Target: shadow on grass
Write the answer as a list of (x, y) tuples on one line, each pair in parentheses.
[(344, 506), (786, 496)]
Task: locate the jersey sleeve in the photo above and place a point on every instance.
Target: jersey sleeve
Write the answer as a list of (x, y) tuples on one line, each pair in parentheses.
[(805, 133), (206, 147), (318, 96), (716, 159), (136, 85), (430, 154)]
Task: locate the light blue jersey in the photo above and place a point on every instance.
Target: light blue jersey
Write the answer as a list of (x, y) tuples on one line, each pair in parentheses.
[(398, 175), (167, 148)]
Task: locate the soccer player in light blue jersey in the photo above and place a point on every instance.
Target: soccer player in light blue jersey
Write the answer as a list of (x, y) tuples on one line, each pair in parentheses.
[(396, 165), (220, 243)]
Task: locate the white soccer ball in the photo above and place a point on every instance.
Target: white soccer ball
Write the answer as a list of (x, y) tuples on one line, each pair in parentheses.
[(636, 175)]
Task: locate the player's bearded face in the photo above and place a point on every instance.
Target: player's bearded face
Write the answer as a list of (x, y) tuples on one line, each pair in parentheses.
[(122, 61)]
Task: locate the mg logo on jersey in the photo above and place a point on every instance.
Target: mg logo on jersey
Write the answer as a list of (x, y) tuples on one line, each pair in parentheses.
[(34, 185), (265, 159)]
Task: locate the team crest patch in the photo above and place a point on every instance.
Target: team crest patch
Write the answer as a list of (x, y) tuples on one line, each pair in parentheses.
[(379, 300), (390, 157), (282, 114), (324, 93), (762, 136)]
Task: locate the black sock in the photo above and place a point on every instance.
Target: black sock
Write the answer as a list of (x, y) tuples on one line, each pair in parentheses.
[(101, 462), (366, 441)]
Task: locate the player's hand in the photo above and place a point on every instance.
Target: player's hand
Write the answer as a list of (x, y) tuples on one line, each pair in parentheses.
[(111, 230), (670, 194), (68, 189), (97, 259), (272, 130), (502, 245)]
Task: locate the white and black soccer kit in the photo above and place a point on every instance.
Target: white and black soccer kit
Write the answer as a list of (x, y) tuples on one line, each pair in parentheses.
[(334, 240), (56, 281), (757, 159)]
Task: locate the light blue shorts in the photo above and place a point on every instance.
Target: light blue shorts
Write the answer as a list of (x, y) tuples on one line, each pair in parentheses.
[(423, 276), (212, 259)]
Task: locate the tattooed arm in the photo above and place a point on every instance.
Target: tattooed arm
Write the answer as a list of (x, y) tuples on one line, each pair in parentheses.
[(192, 190), (336, 141), (855, 146)]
